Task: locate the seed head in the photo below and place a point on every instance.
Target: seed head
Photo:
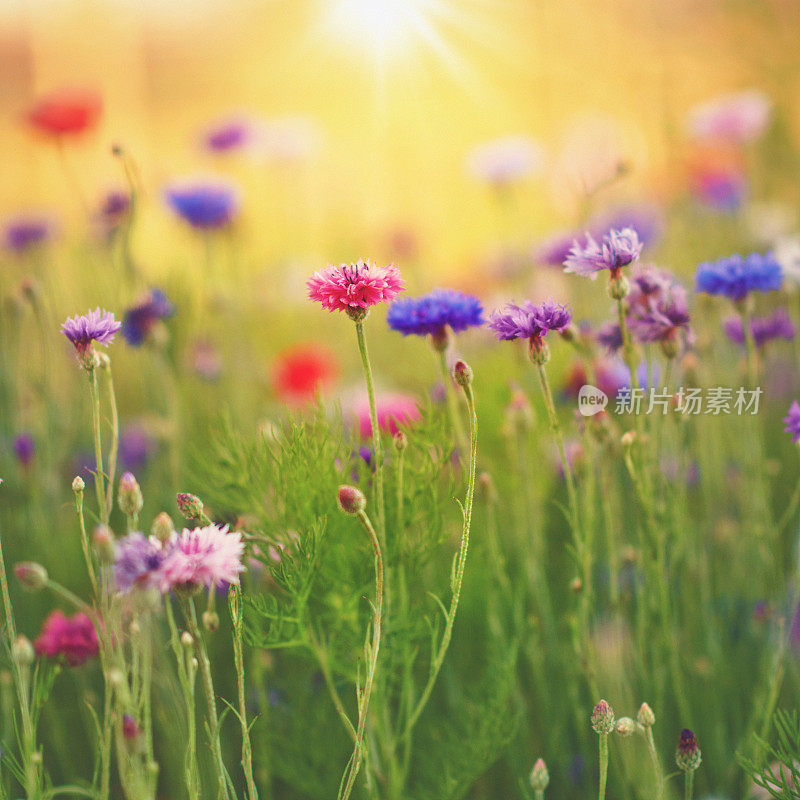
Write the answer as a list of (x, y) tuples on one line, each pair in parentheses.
[(603, 718), (351, 500)]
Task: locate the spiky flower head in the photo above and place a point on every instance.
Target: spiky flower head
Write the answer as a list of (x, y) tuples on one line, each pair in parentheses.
[(792, 421), (351, 500), (354, 288), (83, 330), (210, 556), (190, 505), (433, 313), (603, 718), (735, 276), (625, 726), (615, 250), (645, 716), (688, 756), (540, 777)]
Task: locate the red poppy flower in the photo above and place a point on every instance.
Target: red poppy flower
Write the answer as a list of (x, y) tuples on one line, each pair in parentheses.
[(301, 372), (66, 111)]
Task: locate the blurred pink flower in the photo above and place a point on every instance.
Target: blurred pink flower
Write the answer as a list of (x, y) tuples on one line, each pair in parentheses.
[(503, 161), (393, 410), (739, 117), (73, 638)]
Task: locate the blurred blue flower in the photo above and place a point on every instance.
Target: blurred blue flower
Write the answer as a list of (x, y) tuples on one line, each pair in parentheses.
[(204, 205)]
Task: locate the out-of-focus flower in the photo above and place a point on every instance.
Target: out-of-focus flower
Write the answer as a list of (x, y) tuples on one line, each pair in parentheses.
[(738, 117), (617, 249), (24, 448), (736, 276), (393, 410), (206, 361), (140, 319), (646, 218), (207, 556), (529, 321), (717, 175), (792, 421), (787, 254), (130, 730), (138, 560), (764, 329), (555, 249), (287, 141), (94, 326), (27, 231), (228, 135), (502, 162), (66, 112), (72, 639), (663, 316), (205, 205), (354, 287), (304, 371), (136, 446), (114, 207), (433, 313), (770, 222), (609, 336)]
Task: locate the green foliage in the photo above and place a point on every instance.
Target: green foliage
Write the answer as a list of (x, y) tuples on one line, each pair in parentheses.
[(779, 772)]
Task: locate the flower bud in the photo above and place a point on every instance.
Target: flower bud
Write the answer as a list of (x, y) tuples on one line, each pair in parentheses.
[(400, 441), (602, 718), (540, 777), (576, 585), (625, 726), (186, 640), (211, 621), (163, 527), (646, 718), (22, 651), (670, 347), (618, 287), (628, 438), (78, 484), (130, 730), (31, 575), (104, 543), (440, 340), (688, 756), (189, 505), (538, 351), (351, 500), (462, 373), (129, 495)]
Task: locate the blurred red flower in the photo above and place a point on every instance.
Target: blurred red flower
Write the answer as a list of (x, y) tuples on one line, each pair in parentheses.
[(72, 638), (66, 111), (302, 372)]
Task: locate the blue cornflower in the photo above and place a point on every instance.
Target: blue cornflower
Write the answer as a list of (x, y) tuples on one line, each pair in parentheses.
[(139, 320), (433, 313), (204, 205), (735, 277)]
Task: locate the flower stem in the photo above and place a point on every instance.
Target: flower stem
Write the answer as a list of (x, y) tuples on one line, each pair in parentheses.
[(651, 747), (376, 431), (112, 453), (366, 692), (603, 766), (99, 479), (459, 572), (452, 403), (238, 657), (688, 784)]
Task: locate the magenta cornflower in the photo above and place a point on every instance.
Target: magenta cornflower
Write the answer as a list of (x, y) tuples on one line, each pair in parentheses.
[(392, 411), (94, 326), (353, 288), (72, 639), (208, 556), (617, 249), (792, 421)]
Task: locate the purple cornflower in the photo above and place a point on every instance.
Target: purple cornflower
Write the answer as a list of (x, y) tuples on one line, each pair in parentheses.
[(24, 448), (665, 319), (529, 321), (138, 561), (646, 218), (204, 205), (435, 312), (764, 329), (114, 206), (94, 326), (135, 447), (227, 135), (24, 232), (554, 250), (735, 277), (617, 249), (139, 320), (792, 421), (609, 336)]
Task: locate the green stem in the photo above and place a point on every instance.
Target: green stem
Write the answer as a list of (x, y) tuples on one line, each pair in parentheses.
[(99, 479), (238, 657), (688, 784), (366, 692), (112, 453), (651, 747), (452, 402), (87, 553), (603, 766), (462, 560), (376, 431)]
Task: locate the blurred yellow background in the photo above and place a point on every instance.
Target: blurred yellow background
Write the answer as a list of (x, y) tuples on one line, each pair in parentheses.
[(391, 98)]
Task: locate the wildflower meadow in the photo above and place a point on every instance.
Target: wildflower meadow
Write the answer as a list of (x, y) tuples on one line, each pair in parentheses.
[(447, 449)]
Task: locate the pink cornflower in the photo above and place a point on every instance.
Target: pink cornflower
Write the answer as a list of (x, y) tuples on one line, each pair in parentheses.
[(393, 410), (208, 556), (354, 287), (72, 638)]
